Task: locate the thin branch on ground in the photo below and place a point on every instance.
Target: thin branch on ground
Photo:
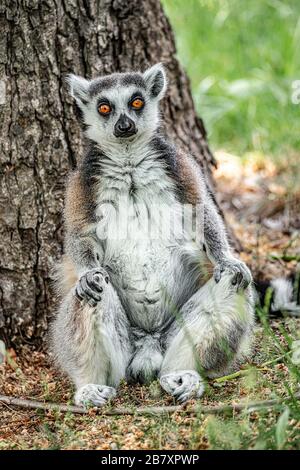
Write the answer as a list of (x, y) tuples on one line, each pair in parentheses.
[(154, 410), (32, 404)]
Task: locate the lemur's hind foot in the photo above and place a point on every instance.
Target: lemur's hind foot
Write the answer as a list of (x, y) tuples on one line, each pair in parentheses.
[(183, 385), (94, 395)]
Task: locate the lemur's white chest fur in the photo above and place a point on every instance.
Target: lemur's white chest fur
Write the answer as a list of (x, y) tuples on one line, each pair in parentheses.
[(140, 229)]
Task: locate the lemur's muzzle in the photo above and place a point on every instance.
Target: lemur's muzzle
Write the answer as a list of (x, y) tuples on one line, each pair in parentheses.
[(124, 127)]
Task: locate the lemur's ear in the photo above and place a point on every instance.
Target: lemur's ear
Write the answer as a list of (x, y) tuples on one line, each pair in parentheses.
[(156, 80), (78, 88)]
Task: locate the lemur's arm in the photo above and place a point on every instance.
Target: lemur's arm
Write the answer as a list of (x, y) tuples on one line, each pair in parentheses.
[(80, 238), (218, 249), (83, 251), (214, 237)]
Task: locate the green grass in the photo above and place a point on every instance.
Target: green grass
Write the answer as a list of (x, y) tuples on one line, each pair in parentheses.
[(242, 58)]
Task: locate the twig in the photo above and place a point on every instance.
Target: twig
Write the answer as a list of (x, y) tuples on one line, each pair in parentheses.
[(234, 375), (285, 257), (154, 410), (32, 404), (242, 372)]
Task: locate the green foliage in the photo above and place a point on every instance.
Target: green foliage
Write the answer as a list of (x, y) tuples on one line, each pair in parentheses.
[(225, 435), (281, 428), (242, 58)]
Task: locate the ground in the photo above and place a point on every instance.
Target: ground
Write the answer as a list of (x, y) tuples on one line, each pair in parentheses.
[(263, 212)]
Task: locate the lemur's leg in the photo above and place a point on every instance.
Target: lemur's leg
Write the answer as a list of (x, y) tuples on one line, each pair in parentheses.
[(212, 332), (90, 338)]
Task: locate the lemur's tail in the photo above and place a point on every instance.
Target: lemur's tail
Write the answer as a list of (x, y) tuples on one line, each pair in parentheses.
[(280, 296)]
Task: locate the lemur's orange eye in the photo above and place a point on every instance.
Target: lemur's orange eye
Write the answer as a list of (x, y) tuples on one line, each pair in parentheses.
[(104, 109), (137, 103)]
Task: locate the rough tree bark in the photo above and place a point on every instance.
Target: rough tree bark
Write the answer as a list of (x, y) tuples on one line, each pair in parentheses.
[(40, 42)]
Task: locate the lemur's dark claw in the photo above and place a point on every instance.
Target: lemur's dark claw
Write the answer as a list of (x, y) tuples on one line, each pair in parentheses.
[(91, 285), (241, 276)]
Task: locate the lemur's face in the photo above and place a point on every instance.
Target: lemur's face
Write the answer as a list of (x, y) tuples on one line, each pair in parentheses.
[(120, 107)]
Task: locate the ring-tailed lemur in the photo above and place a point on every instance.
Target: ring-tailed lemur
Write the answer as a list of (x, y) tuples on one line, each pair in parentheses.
[(173, 305)]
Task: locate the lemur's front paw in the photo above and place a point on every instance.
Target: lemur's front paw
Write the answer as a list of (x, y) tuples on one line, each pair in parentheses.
[(94, 395), (183, 385), (91, 285), (241, 275)]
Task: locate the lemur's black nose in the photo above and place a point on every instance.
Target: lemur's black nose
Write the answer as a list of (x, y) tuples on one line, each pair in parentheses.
[(124, 127)]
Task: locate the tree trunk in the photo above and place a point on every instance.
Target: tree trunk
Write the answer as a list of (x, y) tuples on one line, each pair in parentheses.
[(40, 42)]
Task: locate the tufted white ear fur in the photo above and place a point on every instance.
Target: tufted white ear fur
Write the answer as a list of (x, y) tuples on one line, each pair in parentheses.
[(156, 80), (78, 88)]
